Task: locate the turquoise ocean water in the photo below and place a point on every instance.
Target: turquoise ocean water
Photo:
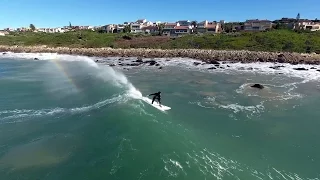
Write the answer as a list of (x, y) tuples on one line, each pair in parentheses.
[(66, 117)]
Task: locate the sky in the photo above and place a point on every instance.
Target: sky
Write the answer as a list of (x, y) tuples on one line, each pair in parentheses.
[(58, 13)]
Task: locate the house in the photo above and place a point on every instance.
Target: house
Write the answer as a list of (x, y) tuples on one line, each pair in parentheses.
[(208, 27), (148, 23), (141, 21), (51, 30), (110, 28), (150, 29), (184, 23), (136, 27), (257, 25), (119, 28), (168, 28), (3, 33), (181, 30), (307, 24)]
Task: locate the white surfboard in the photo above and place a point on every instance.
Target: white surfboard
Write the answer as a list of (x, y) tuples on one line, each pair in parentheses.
[(155, 104)]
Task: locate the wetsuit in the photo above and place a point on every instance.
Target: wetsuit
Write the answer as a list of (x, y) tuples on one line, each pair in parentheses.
[(156, 96)]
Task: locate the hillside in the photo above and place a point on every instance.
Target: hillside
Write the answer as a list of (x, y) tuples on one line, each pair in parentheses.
[(272, 41)]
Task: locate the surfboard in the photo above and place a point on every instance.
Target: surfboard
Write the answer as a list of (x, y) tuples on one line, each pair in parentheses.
[(156, 104)]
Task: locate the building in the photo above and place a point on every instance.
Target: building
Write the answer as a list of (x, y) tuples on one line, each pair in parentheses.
[(208, 27), (136, 27), (150, 29), (119, 28), (184, 23), (141, 21), (257, 25), (110, 28), (181, 30), (51, 30), (169, 28), (306, 24)]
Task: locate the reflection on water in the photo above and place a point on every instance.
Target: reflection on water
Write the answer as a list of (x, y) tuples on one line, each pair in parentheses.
[(41, 152)]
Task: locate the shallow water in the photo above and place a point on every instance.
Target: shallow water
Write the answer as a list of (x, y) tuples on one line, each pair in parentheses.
[(65, 117)]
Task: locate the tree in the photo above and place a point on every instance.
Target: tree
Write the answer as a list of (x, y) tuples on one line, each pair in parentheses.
[(160, 28), (32, 27), (298, 17), (127, 29)]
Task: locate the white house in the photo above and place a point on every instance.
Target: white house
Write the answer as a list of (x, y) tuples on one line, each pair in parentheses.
[(136, 27)]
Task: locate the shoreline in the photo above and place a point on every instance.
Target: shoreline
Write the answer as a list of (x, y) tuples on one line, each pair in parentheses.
[(206, 55)]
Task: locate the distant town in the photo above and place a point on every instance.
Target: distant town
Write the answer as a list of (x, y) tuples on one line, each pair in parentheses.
[(182, 27)]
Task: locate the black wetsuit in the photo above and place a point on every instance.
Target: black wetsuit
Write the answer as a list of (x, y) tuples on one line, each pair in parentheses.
[(156, 96)]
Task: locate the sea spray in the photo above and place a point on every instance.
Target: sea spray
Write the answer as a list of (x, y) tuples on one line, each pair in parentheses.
[(107, 74)]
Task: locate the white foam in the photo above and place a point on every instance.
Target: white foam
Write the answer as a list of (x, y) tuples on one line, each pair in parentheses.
[(231, 68), (8, 115), (50, 56)]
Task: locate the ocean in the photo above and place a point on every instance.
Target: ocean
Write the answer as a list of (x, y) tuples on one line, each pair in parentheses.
[(68, 117)]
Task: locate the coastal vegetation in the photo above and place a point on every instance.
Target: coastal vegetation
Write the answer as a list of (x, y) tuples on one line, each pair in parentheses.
[(272, 41)]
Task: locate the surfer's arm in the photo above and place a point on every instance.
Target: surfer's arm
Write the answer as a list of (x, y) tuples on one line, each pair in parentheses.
[(151, 94)]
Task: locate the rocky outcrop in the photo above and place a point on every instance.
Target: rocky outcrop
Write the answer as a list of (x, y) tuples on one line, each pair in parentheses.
[(259, 86), (207, 56), (301, 69)]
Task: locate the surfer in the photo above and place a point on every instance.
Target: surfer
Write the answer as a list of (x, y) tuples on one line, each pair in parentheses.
[(156, 96)]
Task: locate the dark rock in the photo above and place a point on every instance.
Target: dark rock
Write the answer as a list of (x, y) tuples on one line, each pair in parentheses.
[(217, 65), (318, 70), (36, 58), (313, 68), (228, 66), (250, 68), (139, 60), (160, 67), (97, 60), (224, 62), (276, 67), (301, 69), (157, 64), (212, 68), (260, 60), (167, 59), (133, 64), (121, 59), (4, 53), (280, 60), (221, 67), (196, 63), (213, 62), (151, 62), (280, 73), (111, 64), (259, 86)]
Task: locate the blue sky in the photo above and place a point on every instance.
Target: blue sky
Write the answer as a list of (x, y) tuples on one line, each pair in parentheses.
[(55, 13)]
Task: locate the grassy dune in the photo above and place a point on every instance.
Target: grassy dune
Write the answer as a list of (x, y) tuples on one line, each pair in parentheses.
[(271, 41)]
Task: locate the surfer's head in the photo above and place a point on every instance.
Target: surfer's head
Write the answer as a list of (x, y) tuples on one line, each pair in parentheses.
[(159, 92)]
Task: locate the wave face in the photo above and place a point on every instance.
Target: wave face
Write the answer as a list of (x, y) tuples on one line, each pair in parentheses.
[(61, 114)]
